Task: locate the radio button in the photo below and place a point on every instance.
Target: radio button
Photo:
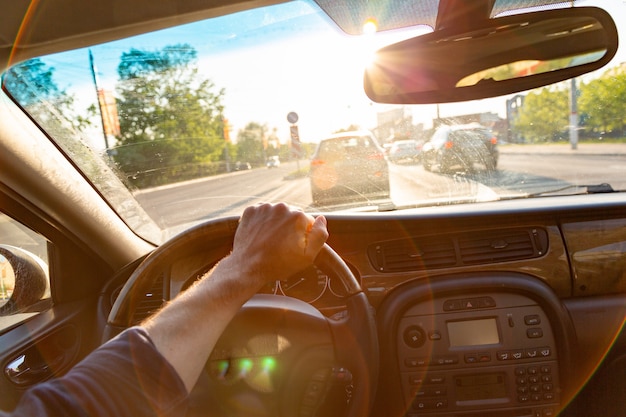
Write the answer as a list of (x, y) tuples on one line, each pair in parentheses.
[(487, 302), (548, 412), (548, 396), (534, 333), (435, 379), (414, 336), (532, 320), (452, 305), (430, 404), (545, 351), (471, 358), (484, 357), (444, 360), (517, 354), (416, 380), (504, 355), (415, 362), (532, 353), (434, 335)]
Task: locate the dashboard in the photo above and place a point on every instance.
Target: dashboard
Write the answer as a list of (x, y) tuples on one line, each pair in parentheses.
[(495, 309)]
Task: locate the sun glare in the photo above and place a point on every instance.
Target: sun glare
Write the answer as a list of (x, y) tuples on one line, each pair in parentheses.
[(370, 26)]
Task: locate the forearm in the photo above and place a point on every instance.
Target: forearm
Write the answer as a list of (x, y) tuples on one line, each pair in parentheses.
[(271, 243), (201, 317), (125, 377)]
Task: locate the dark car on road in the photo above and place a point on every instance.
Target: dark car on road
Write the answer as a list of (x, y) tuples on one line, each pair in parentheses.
[(461, 147), (407, 150), (242, 166), (349, 166)]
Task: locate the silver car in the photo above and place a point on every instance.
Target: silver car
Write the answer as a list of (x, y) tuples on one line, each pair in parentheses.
[(349, 166)]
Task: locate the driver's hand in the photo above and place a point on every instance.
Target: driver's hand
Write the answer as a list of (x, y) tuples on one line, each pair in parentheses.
[(275, 241)]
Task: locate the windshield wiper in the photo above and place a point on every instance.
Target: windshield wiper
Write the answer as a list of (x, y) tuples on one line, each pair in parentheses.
[(588, 189)]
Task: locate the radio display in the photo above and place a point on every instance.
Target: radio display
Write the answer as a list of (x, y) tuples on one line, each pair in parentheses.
[(480, 387), (473, 332)]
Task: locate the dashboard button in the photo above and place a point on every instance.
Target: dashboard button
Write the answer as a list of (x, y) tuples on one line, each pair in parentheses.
[(414, 336), (452, 305), (434, 335), (435, 379), (532, 320), (415, 362), (534, 333)]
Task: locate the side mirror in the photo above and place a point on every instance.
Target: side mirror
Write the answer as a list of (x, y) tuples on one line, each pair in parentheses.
[(496, 57), (28, 283)]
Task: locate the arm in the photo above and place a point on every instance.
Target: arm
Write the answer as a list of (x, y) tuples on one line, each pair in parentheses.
[(125, 377), (271, 243), (149, 370)]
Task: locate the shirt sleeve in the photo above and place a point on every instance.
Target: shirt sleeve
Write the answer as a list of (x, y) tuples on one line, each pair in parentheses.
[(125, 377)]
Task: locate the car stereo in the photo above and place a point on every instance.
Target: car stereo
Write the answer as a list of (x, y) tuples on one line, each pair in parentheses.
[(494, 352)]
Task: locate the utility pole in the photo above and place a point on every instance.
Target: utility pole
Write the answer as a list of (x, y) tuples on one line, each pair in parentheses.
[(573, 115), (95, 83)]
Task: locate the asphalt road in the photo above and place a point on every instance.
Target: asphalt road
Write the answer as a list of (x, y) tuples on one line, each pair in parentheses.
[(521, 170)]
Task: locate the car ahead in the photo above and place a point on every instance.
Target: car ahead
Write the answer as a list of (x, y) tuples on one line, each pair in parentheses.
[(461, 147), (242, 166), (492, 295), (273, 162), (348, 166), (406, 150)]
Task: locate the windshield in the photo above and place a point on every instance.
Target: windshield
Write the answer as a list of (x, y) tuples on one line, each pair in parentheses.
[(179, 126)]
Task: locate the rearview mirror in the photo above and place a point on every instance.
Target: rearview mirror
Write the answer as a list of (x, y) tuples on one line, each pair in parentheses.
[(496, 57)]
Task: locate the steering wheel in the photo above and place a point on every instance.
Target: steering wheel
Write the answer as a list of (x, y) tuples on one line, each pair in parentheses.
[(279, 356)]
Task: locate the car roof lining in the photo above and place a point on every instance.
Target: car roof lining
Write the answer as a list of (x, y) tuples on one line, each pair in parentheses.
[(31, 28)]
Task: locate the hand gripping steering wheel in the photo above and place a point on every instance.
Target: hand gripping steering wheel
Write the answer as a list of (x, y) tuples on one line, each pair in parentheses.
[(279, 356)]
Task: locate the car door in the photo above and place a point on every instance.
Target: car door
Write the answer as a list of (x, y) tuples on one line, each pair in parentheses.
[(48, 298)]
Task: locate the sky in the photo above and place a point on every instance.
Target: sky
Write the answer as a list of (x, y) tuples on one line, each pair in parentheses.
[(319, 77)]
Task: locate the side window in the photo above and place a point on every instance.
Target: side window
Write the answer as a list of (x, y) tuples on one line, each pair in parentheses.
[(24, 274)]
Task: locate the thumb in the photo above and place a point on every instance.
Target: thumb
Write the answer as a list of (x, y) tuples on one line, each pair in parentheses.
[(317, 235)]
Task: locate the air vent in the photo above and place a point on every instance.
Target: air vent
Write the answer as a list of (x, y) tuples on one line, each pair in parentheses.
[(445, 251), (413, 255), (501, 246), (150, 302)]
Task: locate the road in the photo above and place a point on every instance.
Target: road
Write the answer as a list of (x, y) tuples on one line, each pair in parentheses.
[(176, 206)]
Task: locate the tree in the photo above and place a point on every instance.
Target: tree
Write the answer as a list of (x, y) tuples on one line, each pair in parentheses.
[(544, 116), (32, 84), (603, 102), (171, 118), (250, 143)]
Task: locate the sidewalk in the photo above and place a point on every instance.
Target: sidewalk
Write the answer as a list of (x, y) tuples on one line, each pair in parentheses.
[(565, 148)]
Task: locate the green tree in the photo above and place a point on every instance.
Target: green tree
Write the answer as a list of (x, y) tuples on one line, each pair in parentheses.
[(250, 143), (603, 102), (171, 118), (32, 84), (544, 116)]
